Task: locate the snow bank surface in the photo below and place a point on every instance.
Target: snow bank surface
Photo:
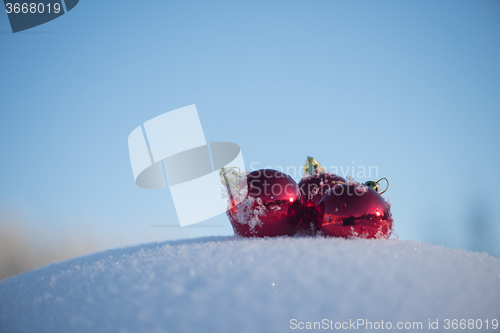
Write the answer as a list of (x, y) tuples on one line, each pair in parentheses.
[(227, 284)]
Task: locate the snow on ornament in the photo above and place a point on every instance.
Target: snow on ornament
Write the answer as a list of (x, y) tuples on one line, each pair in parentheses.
[(271, 204), (313, 186), (355, 210)]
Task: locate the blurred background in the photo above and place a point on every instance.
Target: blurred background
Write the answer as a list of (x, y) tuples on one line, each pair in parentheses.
[(411, 88)]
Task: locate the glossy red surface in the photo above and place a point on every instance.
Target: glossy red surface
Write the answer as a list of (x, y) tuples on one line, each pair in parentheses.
[(273, 206), (354, 211), (313, 189)]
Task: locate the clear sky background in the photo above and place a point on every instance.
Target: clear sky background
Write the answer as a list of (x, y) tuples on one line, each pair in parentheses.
[(411, 87)]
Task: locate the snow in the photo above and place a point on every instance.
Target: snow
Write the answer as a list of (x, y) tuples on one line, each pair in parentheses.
[(230, 284)]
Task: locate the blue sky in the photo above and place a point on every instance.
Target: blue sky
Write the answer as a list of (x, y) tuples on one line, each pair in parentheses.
[(409, 87)]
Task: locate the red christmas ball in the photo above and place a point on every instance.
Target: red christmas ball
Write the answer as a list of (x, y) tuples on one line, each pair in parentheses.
[(272, 206), (354, 210), (313, 188)]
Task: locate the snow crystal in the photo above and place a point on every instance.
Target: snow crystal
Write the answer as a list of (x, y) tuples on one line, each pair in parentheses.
[(306, 177), (361, 189), (249, 212), (351, 181)]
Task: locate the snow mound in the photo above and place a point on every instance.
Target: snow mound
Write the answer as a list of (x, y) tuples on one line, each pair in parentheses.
[(228, 284)]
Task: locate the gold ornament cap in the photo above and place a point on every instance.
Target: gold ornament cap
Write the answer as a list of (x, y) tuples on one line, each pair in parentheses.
[(313, 167)]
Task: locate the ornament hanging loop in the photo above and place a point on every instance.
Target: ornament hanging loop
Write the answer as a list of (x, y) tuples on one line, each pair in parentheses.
[(387, 187)]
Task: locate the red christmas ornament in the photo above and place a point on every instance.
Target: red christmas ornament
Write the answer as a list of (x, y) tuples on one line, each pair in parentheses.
[(355, 210), (313, 187), (272, 206)]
